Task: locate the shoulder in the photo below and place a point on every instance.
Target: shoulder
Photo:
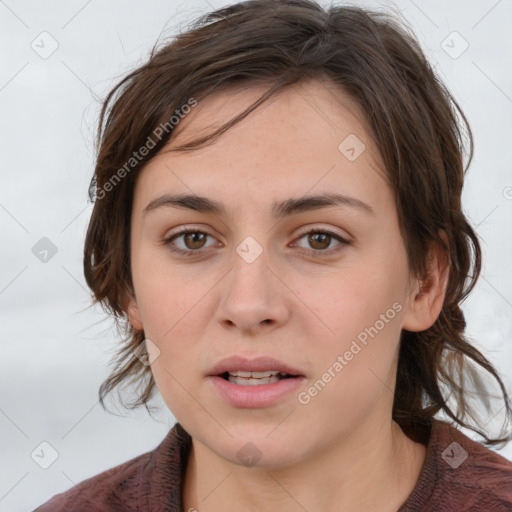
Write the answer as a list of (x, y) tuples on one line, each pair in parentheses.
[(462, 474), (473, 473), (151, 481), (113, 489)]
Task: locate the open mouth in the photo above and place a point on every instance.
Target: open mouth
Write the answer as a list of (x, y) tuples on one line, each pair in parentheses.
[(242, 378), (254, 383)]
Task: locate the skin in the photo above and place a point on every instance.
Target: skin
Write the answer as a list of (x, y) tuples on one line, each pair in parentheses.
[(340, 451)]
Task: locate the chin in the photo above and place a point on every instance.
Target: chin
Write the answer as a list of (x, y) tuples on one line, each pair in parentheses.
[(258, 449)]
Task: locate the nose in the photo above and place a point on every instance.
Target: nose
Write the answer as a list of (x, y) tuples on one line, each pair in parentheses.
[(253, 297)]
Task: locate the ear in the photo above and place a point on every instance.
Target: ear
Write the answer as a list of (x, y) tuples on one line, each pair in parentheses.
[(132, 310), (427, 296)]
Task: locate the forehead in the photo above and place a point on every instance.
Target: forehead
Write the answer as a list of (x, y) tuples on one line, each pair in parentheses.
[(298, 141), (331, 104)]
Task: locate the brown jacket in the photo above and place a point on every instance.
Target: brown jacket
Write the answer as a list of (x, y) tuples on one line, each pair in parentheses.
[(459, 475)]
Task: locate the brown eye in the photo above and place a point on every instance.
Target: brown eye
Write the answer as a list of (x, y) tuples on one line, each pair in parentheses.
[(191, 241), (319, 240), (194, 240)]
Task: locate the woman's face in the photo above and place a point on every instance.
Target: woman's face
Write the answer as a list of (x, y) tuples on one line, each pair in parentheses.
[(258, 280)]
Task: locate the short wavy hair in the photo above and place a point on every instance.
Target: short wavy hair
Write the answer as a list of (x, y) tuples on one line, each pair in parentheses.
[(412, 117)]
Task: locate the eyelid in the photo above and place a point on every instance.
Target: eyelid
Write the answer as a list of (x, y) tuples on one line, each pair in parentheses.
[(307, 229), (342, 241), (323, 229), (183, 230)]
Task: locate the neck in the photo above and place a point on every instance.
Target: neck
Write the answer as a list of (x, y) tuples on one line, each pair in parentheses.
[(375, 468)]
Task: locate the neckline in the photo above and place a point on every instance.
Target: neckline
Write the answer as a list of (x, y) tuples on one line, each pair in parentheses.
[(428, 474), (428, 435)]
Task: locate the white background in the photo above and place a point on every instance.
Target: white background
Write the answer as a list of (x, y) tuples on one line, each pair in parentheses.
[(55, 351)]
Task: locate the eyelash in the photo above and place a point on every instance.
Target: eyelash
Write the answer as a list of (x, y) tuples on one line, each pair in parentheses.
[(313, 253)]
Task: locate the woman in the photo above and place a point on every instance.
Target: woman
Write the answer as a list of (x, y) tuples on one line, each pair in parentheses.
[(278, 222)]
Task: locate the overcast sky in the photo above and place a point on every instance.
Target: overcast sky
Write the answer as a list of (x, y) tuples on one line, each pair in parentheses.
[(57, 56)]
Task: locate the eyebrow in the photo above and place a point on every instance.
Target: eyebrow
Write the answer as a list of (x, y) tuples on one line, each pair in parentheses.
[(279, 209)]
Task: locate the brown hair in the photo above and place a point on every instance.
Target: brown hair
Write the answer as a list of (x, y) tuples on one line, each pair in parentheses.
[(413, 120)]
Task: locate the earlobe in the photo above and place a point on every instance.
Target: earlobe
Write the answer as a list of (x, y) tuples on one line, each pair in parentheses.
[(426, 300), (132, 310)]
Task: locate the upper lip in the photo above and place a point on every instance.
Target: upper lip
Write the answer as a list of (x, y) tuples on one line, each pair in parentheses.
[(258, 364)]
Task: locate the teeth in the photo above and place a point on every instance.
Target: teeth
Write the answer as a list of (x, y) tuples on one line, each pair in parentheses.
[(255, 378), (248, 381), (255, 375)]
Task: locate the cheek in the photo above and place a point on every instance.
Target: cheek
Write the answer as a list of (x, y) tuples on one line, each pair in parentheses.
[(171, 306), (355, 299), (363, 310), (174, 328), (354, 368), (167, 295), (172, 375)]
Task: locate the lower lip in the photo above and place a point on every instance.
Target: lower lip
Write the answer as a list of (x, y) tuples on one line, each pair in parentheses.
[(261, 395)]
